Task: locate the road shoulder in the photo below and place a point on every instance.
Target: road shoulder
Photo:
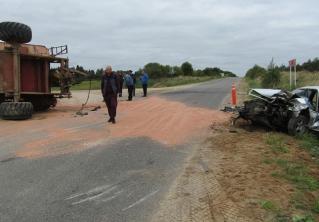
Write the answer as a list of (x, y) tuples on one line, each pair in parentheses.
[(197, 194)]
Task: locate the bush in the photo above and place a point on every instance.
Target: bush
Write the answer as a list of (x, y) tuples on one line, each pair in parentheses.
[(156, 70), (271, 79), (256, 72), (187, 69), (215, 72)]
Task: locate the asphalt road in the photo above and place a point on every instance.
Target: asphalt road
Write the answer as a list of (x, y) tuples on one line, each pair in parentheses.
[(117, 179), (207, 95)]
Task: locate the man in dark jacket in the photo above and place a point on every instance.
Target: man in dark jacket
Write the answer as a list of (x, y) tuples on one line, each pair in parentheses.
[(130, 85), (133, 75), (109, 89), (120, 80)]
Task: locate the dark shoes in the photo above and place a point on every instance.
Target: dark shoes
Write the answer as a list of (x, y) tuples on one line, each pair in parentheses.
[(112, 120)]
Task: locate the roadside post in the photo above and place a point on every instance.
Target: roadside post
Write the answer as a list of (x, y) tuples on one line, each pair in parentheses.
[(293, 63), (233, 95)]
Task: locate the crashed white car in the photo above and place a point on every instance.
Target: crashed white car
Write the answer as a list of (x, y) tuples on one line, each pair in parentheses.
[(295, 111)]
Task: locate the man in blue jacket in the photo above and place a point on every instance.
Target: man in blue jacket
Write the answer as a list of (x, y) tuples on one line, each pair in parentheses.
[(109, 89), (144, 79)]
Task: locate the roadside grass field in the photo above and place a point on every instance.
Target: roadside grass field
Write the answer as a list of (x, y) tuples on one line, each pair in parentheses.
[(154, 83), (304, 78)]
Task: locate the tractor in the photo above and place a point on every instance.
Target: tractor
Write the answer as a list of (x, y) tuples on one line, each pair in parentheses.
[(27, 72)]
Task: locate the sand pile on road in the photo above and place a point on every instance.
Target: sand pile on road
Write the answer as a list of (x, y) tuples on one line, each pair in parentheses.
[(168, 122)]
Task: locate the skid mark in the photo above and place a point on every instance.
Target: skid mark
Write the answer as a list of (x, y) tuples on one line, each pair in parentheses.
[(140, 200), (95, 196)]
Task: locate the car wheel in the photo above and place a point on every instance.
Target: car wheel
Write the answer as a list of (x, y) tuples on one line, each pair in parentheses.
[(297, 125)]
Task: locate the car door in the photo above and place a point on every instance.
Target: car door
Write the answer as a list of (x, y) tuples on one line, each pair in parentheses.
[(313, 95)]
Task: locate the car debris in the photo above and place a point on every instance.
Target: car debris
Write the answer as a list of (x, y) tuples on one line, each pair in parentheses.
[(295, 112)]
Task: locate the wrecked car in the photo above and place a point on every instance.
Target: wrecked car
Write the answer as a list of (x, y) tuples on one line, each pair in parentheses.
[(295, 112)]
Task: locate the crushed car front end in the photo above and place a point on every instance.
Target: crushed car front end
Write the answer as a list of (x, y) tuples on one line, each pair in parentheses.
[(278, 109)]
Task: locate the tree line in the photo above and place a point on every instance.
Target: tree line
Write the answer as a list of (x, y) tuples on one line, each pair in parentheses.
[(157, 70), (312, 65), (270, 76)]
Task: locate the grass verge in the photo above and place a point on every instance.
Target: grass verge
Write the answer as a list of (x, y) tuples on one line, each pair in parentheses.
[(293, 162), (154, 83)]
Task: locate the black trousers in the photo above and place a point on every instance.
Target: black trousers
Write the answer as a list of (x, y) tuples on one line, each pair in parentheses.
[(145, 89), (111, 104), (120, 88), (130, 92), (134, 90)]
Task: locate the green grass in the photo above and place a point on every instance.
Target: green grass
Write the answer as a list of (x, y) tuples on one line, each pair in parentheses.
[(300, 201), (304, 78), (315, 207), (154, 83), (311, 143), (303, 218), (297, 174), (253, 83), (268, 161), (268, 205), (276, 143)]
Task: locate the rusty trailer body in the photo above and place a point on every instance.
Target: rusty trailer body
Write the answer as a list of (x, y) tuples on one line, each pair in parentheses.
[(25, 74)]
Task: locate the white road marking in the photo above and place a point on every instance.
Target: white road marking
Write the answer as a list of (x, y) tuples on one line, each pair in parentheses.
[(94, 196), (92, 191), (74, 196), (140, 200), (112, 197)]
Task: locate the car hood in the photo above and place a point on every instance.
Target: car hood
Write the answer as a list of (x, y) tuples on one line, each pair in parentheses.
[(264, 94)]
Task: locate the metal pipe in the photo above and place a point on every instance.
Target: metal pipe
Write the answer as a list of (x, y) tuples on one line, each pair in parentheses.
[(16, 72)]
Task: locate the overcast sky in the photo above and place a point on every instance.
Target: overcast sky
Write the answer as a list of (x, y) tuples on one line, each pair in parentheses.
[(230, 34)]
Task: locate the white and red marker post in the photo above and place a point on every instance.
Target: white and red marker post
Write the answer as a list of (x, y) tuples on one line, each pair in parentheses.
[(293, 63)]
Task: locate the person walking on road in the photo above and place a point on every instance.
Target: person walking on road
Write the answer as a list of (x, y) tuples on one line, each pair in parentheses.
[(109, 89), (144, 79), (129, 84), (121, 81)]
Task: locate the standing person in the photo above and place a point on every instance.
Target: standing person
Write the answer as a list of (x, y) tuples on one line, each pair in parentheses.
[(109, 89), (133, 75), (144, 79), (129, 84), (121, 81)]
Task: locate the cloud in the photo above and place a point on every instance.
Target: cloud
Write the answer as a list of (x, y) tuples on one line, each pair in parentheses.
[(232, 35)]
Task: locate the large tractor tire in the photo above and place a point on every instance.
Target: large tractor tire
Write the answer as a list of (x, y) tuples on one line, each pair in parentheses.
[(298, 125), (13, 32), (16, 110)]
